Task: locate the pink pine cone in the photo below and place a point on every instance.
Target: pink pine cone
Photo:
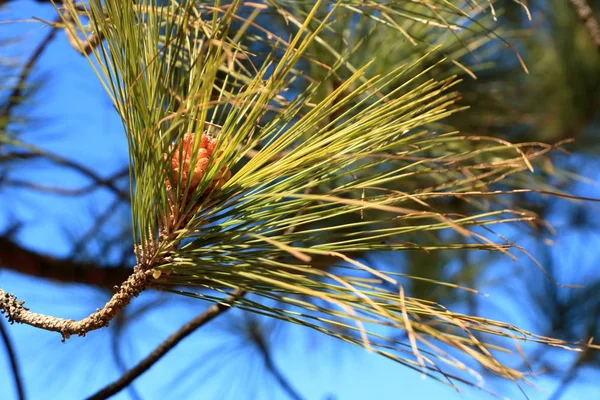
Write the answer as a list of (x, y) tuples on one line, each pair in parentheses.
[(182, 161)]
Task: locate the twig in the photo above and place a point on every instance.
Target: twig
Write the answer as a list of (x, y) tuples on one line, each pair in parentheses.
[(15, 95), (274, 370), (14, 365), (280, 378), (95, 229), (586, 16), (2, 2), (83, 46), (120, 323), (572, 372), (16, 312), (60, 191), (41, 188), (34, 152), (565, 382), (144, 365)]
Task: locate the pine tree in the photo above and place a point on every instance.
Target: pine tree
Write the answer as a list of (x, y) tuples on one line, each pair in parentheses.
[(279, 151)]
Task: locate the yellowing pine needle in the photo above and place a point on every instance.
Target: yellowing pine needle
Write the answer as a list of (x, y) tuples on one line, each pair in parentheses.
[(296, 253)]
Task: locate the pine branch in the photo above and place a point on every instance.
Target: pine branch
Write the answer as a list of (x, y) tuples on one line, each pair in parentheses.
[(208, 315), (367, 147), (16, 311)]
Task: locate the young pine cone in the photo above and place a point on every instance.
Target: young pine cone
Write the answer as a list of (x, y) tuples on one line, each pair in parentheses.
[(181, 163)]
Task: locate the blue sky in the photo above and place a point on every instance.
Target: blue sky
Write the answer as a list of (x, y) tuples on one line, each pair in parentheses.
[(76, 119)]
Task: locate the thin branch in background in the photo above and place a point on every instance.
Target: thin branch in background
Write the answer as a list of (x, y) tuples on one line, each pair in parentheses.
[(14, 365), (126, 258), (187, 329), (34, 152), (19, 259), (565, 382), (25, 261), (60, 190), (274, 370), (95, 229), (40, 188), (572, 372), (586, 15), (15, 96), (119, 329), (15, 311), (117, 351), (2, 2)]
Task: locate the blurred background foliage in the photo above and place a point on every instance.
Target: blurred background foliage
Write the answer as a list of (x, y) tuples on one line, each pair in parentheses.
[(557, 100)]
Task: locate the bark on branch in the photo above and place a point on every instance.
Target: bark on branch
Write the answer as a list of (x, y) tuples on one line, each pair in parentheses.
[(586, 16), (83, 46), (15, 311)]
